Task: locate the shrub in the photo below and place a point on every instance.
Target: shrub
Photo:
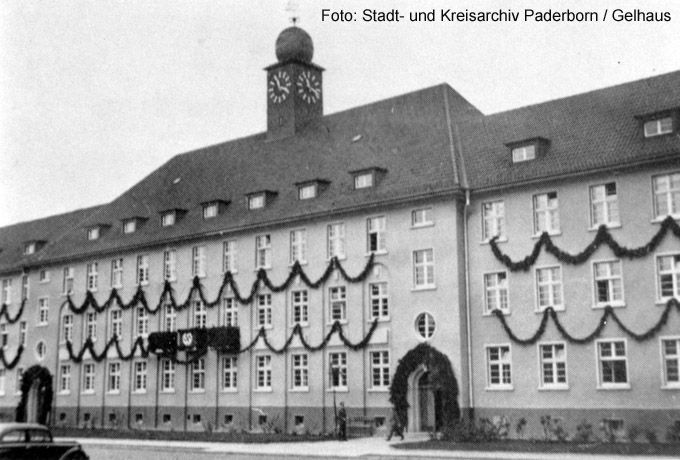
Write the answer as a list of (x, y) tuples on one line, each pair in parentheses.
[(673, 432), (650, 434), (553, 429), (633, 433), (484, 430), (519, 427), (584, 432), (608, 432)]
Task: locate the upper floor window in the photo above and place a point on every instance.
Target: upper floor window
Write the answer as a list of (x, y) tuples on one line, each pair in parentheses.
[(23, 333), (307, 191), (117, 273), (69, 275), (496, 292), (659, 126), (93, 233), (608, 283), (264, 310), (24, 287), (142, 322), (229, 311), (546, 213), (375, 228), (44, 276), (379, 300), (198, 261), (229, 256), (170, 265), (43, 310), (170, 317), (493, 220), (91, 326), (256, 201), (425, 326), (263, 251), (200, 314), (67, 328), (421, 217), (523, 153), (143, 269), (338, 303), (668, 276), (549, 288), (298, 246), (4, 335), (168, 218), (604, 205), (299, 307), (92, 276), (666, 195), (7, 291), (117, 323), (210, 210), (363, 180), (336, 240), (423, 268)]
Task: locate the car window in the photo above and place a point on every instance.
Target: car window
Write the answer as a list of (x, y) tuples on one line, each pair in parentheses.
[(14, 436), (39, 436)]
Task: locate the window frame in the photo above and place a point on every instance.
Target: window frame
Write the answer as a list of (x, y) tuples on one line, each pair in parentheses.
[(302, 304), (675, 274), (363, 180), (537, 290), (263, 251), (263, 368), (525, 152), (430, 323), (210, 210), (256, 201), (665, 383), (113, 379), (381, 370), (493, 222), (609, 278), (428, 220), (669, 194), (168, 375), (607, 203), (379, 300), (64, 383), (142, 274), (658, 123), (545, 214), (380, 232), (542, 385), (302, 188), (92, 276), (170, 265), (168, 218), (425, 264), (230, 311), (117, 273), (337, 295), (336, 241), (502, 385), (343, 377), (231, 371), (116, 323), (601, 384), (298, 246), (299, 371), (140, 376), (197, 376), (198, 261), (263, 311), (229, 254), (88, 379), (43, 310), (68, 283), (498, 288), (199, 314)]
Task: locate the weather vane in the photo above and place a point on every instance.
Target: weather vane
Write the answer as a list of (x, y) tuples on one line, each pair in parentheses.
[(292, 9)]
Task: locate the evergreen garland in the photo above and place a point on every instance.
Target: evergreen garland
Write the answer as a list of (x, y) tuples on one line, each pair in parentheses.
[(228, 282), (603, 237), (4, 312), (11, 363), (608, 313), (45, 393)]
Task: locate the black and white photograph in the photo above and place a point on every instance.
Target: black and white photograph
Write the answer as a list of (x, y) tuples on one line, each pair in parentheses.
[(339, 229)]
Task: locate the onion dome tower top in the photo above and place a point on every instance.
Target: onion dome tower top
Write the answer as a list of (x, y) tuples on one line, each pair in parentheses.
[(294, 44)]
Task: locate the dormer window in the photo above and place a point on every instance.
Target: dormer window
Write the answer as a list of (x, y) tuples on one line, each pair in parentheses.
[(523, 153), (171, 216), (93, 233), (658, 126), (130, 226), (213, 208), (258, 200), (306, 192), (29, 248), (367, 178)]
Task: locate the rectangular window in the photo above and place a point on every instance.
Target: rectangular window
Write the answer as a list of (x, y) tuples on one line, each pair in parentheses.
[(523, 153), (198, 375), (670, 352), (613, 363), (7, 291), (143, 270), (546, 213), (168, 219), (92, 276), (300, 307), (338, 303), (336, 240), (43, 311), (421, 217), (423, 268), (64, 378), (4, 335), (142, 326), (200, 314), (608, 283), (18, 379), (210, 210), (117, 323), (499, 367), (129, 226), (604, 205), (300, 371), (659, 126), (298, 246), (167, 375), (364, 180), (69, 275), (306, 192), (229, 256), (493, 220), (496, 292), (263, 251), (67, 328), (375, 229), (88, 378), (264, 310), (113, 385), (117, 273), (338, 370), (229, 373), (22, 333), (198, 261), (380, 369), (29, 248), (379, 300), (91, 326), (256, 201), (549, 288), (666, 195), (140, 368), (24, 287), (93, 233), (264, 372), (668, 276), (553, 360), (170, 265), (170, 317), (44, 276), (3, 381), (229, 312)]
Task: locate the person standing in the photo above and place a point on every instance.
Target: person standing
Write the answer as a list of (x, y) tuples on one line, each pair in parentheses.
[(342, 422), (397, 428)]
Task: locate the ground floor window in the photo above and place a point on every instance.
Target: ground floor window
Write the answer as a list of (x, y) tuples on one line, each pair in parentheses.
[(499, 367), (140, 368), (338, 370), (198, 375), (670, 350), (612, 363), (229, 369), (380, 369), (300, 368), (167, 375), (263, 365), (553, 358)]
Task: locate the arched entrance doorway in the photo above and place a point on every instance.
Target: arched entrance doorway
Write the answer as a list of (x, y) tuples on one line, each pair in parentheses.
[(424, 390), (36, 395)]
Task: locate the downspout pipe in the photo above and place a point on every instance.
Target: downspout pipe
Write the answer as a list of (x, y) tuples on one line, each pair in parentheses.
[(468, 326)]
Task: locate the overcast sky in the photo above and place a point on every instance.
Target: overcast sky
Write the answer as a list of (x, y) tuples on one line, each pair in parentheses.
[(95, 95)]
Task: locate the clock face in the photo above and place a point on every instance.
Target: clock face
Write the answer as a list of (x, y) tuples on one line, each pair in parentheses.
[(308, 87), (279, 86)]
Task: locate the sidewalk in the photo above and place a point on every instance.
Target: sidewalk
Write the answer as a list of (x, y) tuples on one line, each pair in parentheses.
[(368, 448)]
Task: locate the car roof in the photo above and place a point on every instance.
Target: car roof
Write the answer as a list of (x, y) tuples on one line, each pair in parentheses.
[(5, 427)]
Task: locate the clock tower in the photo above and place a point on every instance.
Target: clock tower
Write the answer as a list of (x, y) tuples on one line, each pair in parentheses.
[(294, 85)]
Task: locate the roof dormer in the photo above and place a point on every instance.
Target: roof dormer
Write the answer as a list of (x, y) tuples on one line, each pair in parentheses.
[(96, 231), (260, 199), (170, 217), (33, 246), (528, 149), (660, 123), (213, 208), (310, 189), (134, 223), (367, 177)]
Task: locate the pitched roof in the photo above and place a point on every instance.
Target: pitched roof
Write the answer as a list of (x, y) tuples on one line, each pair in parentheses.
[(408, 136), (592, 131)]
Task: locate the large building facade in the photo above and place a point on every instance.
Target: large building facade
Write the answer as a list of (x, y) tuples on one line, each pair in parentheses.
[(374, 256)]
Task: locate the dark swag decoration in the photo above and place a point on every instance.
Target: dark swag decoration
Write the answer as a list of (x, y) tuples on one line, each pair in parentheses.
[(228, 282), (4, 312), (223, 339), (608, 313), (603, 237), (11, 364)]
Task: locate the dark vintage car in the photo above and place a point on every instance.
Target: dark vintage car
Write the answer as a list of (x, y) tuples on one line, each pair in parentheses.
[(30, 441)]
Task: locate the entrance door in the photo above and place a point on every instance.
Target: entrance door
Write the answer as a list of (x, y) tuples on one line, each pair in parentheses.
[(32, 402), (426, 403)]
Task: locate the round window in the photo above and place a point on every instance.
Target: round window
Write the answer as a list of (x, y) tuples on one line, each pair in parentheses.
[(425, 325), (40, 350)]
